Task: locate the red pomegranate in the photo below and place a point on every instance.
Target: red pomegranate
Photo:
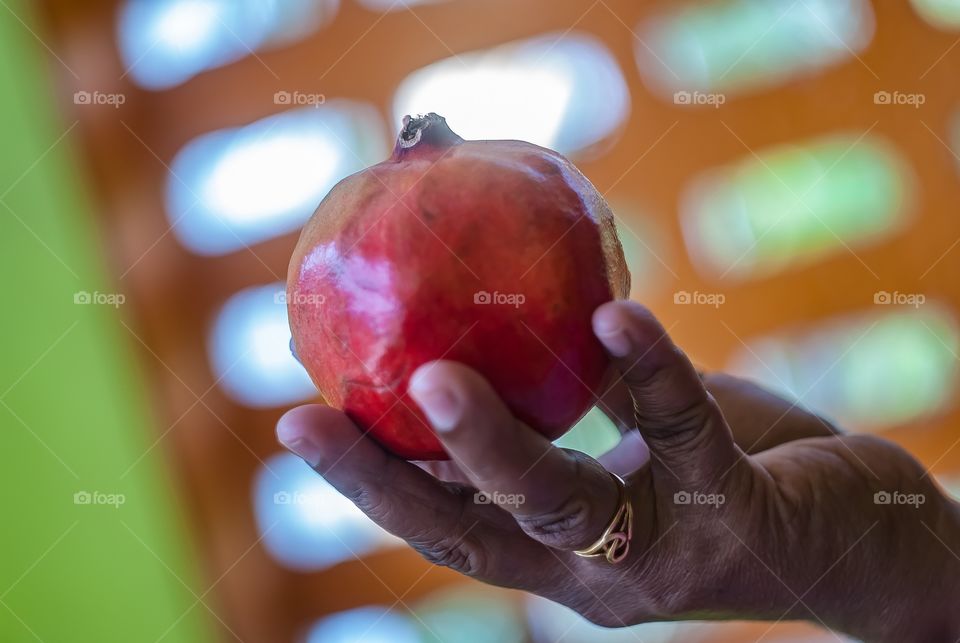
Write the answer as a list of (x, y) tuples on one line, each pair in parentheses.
[(491, 253)]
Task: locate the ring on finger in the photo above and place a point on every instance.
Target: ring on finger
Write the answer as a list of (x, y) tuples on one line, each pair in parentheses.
[(614, 543)]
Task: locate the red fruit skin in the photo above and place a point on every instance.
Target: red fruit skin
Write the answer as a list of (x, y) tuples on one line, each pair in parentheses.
[(387, 272)]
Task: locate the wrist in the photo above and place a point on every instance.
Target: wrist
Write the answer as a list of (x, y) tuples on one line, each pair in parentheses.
[(919, 594), (884, 541)]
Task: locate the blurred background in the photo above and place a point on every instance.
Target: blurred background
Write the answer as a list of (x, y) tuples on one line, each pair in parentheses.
[(786, 179)]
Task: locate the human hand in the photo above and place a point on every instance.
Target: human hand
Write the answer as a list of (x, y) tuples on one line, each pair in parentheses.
[(785, 533)]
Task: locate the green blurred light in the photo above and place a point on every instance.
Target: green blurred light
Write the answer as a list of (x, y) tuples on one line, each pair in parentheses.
[(951, 485), (564, 91), (940, 13), (594, 435), (550, 622), (870, 372), (955, 135), (470, 614), (738, 44), (643, 248), (634, 250), (793, 204)]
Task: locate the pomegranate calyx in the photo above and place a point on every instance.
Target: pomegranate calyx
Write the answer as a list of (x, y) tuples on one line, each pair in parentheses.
[(424, 132)]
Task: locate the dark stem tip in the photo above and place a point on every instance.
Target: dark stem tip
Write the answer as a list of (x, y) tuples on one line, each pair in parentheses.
[(429, 129)]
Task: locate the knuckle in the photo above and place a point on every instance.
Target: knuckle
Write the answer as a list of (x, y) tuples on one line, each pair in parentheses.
[(371, 500), (562, 528), (651, 373), (463, 554), (572, 523), (372, 497), (680, 429)]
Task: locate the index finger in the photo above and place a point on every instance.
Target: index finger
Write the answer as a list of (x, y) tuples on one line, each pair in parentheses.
[(563, 499), (440, 521)]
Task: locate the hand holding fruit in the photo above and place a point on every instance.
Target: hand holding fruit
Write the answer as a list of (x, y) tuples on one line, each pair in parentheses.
[(787, 533), (721, 500)]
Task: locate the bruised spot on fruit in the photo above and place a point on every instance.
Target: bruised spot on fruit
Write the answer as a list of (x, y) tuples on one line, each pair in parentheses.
[(496, 257)]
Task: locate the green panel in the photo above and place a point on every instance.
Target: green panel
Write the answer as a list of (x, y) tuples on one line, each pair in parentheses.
[(732, 45), (940, 13), (795, 203), (594, 435), (470, 614), (72, 409), (868, 372), (645, 249)]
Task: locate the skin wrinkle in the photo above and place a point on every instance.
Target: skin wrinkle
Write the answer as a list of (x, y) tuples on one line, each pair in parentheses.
[(453, 546), (791, 507), (566, 526)]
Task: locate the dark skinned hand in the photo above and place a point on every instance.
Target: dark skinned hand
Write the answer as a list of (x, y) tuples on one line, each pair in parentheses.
[(746, 506)]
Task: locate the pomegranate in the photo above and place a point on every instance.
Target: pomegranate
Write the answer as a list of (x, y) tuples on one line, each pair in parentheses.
[(491, 253)]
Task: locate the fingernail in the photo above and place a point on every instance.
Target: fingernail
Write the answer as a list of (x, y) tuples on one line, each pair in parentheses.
[(438, 402), (613, 336), (295, 441)]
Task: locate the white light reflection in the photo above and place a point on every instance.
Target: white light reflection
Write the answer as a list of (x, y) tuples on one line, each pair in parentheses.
[(563, 92), (166, 42), (397, 5), (307, 524), (250, 350), (233, 188), (365, 625)]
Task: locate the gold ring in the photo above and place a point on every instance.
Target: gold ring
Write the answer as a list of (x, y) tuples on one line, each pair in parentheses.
[(615, 541)]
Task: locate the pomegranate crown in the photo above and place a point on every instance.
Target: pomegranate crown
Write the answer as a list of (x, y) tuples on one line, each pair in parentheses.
[(428, 132)]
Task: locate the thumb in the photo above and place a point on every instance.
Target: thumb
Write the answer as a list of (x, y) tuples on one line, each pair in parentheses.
[(688, 438)]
